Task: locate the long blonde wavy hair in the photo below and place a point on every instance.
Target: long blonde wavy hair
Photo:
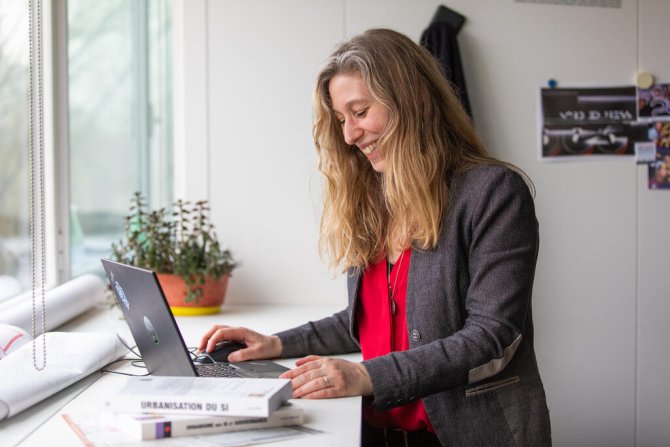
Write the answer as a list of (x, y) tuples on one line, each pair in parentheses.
[(427, 141)]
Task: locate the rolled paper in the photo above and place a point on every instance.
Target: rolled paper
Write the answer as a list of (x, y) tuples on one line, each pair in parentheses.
[(62, 303), (72, 356)]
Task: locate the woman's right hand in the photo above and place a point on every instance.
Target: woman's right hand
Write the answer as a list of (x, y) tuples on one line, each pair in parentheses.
[(259, 346)]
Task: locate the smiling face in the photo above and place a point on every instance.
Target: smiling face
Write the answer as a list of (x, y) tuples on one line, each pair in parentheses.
[(363, 119)]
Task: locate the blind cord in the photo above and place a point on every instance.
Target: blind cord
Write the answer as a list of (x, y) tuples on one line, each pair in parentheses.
[(37, 198)]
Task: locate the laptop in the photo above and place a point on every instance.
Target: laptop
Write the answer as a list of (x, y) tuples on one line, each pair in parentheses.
[(157, 335)]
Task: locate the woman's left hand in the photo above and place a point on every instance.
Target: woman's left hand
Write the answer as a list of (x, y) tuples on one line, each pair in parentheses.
[(324, 377)]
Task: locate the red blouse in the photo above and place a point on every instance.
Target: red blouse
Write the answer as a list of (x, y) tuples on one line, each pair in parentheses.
[(382, 331)]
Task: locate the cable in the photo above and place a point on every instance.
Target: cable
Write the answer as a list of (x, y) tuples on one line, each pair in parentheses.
[(136, 362), (133, 362), (123, 342), (191, 351)]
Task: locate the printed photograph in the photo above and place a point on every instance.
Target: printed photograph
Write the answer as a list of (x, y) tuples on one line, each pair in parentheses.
[(659, 133), (590, 121), (593, 139), (659, 170), (654, 102)]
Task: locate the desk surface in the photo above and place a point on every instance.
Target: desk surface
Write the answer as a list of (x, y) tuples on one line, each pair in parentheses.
[(42, 425)]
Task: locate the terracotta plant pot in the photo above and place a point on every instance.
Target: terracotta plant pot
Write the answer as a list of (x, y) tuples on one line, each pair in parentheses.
[(213, 295)]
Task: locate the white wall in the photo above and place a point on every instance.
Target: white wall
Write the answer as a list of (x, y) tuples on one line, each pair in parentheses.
[(653, 283), (244, 76)]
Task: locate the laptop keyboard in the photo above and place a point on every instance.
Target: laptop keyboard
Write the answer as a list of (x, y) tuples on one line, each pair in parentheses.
[(216, 370)]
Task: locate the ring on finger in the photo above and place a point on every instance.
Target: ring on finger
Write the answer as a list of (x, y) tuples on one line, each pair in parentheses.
[(327, 381)]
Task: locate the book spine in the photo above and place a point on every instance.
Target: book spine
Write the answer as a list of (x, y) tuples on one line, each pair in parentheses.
[(209, 406), (167, 427)]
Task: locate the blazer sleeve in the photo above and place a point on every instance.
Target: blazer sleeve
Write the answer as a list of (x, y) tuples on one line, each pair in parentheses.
[(328, 336), (492, 224)]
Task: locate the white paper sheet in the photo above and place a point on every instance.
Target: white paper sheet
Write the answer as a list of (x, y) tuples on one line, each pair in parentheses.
[(62, 303), (70, 356)]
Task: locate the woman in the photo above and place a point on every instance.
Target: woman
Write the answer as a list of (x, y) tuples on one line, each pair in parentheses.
[(439, 241)]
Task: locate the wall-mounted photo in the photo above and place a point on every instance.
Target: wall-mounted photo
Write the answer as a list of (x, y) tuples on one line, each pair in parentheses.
[(654, 102), (592, 139), (659, 133), (659, 171), (590, 122)]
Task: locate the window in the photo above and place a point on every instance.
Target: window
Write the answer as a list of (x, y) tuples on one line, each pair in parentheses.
[(120, 113), (14, 174), (120, 118), (119, 127)]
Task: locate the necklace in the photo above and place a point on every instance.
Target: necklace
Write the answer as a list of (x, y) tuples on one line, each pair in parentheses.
[(395, 283)]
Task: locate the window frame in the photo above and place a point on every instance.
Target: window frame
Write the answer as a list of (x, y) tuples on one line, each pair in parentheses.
[(61, 144), (57, 142)]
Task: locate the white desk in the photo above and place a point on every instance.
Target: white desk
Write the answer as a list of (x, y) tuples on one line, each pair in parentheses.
[(42, 424)]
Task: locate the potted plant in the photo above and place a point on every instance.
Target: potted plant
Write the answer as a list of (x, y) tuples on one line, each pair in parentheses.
[(181, 246)]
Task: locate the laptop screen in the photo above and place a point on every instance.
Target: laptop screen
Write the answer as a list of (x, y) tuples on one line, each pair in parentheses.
[(151, 322)]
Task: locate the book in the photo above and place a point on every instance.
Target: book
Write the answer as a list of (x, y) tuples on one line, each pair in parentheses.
[(156, 426), (106, 429), (210, 396)]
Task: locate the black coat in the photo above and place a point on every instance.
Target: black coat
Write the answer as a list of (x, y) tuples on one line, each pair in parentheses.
[(440, 39)]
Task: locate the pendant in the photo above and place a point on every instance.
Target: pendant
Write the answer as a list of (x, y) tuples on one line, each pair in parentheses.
[(393, 307)]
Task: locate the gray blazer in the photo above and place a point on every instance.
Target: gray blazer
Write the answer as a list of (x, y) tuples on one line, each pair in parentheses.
[(471, 358)]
